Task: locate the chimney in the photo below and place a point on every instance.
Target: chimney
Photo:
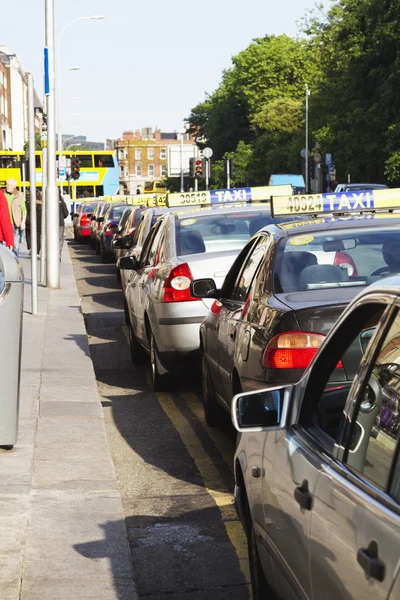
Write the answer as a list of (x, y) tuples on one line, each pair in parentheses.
[(157, 135), (137, 135), (127, 136)]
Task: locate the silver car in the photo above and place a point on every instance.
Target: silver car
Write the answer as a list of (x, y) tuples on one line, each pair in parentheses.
[(317, 465), (164, 318)]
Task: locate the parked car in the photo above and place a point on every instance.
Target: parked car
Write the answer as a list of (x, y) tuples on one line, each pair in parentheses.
[(98, 225), (82, 220), (317, 467), (108, 229), (354, 187)]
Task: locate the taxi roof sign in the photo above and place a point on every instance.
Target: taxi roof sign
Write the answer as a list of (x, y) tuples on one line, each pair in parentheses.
[(314, 204), (226, 196)]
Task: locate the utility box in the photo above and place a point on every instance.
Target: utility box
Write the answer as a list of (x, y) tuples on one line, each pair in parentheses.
[(11, 311)]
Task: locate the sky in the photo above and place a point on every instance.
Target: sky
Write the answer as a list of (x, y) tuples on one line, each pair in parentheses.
[(147, 63)]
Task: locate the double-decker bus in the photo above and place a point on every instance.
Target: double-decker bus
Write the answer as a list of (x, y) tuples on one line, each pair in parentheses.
[(154, 187), (99, 174)]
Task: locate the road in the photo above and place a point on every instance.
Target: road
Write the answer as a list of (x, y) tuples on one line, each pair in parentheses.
[(174, 472)]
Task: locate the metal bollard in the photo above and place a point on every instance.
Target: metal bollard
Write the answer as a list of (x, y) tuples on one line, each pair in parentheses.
[(11, 310)]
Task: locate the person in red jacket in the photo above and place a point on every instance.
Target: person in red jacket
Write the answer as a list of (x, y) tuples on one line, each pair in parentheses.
[(6, 230)]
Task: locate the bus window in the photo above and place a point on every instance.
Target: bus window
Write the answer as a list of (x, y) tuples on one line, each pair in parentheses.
[(101, 160), (85, 160), (9, 162), (38, 161)]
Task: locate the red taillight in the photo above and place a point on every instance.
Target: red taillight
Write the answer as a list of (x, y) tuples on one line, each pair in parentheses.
[(293, 350), (110, 226), (344, 261), (85, 220), (177, 285), (216, 307), (132, 231)]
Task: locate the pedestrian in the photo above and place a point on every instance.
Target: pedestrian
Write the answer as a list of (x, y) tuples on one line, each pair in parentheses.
[(38, 222), (6, 230), (64, 212), (17, 208), (138, 191)]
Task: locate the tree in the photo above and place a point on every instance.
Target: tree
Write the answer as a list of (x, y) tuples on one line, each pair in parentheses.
[(38, 143)]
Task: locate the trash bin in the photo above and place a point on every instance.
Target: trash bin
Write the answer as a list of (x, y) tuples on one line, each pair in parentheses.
[(11, 310)]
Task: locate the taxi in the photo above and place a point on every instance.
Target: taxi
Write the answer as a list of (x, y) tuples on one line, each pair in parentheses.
[(288, 287), (82, 219), (200, 234), (317, 466)]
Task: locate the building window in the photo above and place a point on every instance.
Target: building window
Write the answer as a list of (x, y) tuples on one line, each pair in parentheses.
[(163, 154), (163, 170), (139, 170), (121, 172), (150, 153), (151, 170), (138, 154), (125, 154), (126, 171), (121, 154)]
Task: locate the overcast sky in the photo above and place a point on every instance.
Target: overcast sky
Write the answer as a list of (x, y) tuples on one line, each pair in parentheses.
[(147, 63)]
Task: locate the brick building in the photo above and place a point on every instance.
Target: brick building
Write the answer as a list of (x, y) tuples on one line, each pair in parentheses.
[(144, 156)]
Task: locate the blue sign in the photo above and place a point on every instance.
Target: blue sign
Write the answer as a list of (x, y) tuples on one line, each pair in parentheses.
[(62, 172), (332, 169), (231, 195), (328, 158), (46, 72)]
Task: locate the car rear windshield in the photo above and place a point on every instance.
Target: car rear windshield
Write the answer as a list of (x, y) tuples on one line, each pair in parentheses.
[(87, 208), (338, 259), (220, 232), (116, 212)]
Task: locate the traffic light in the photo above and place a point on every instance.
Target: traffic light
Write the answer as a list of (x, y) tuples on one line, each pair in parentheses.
[(192, 167), (199, 168), (76, 170), (232, 162)]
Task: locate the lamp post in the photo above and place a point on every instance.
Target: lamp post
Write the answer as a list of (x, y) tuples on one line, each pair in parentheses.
[(70, 146), (93, 17), (307, 152)]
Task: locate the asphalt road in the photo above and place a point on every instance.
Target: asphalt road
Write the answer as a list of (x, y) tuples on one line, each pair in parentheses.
[(174, 472)]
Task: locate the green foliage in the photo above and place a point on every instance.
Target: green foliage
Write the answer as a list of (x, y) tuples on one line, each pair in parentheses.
[(350, 58), (38, 143)]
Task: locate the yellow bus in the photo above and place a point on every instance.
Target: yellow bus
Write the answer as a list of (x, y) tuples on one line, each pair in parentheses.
[(154, 187), (99, 174)]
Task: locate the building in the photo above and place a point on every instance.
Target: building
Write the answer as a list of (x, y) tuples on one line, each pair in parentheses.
[(5, 104), (145, 156), (17, 85), (80, 140)]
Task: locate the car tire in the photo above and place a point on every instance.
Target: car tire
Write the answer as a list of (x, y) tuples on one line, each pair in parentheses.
[(260, 588), (118, 276), (126, 312), (103, 254), (213, 412), (137, 352), (97, 247), (160, 382), (8, 447)]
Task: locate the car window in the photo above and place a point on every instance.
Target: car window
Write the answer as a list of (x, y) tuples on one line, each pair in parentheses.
[(244, 280), (333, 372), (144, 257), (376, 426), (336, 259), (116, 212), (156, 249)]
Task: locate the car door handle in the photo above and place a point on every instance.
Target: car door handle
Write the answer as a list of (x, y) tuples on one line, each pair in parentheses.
[(303, 496), (369, 561), (232, 334)]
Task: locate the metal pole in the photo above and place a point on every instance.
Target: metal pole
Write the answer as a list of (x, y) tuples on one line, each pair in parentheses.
[(43, 226), (207, 172), (307, 172), (182, 174), (228, 173), (196, 181), (52, 212), (23, 164), (32, 177)]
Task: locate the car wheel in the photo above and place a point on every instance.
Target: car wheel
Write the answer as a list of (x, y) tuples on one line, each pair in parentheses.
[(103, 254), (126, 311), (213, 412), (160, 382), (97, 247), (118, 276), (8, 447), (137, 352)]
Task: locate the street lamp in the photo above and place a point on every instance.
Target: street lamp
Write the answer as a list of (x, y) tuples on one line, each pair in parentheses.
[(93, 17), (70, 146)]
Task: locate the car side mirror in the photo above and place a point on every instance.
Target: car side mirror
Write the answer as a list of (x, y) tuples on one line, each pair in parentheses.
[(100, 219), (123, 243), (92, 218), (265, 410), (204, 288), (128, 263)]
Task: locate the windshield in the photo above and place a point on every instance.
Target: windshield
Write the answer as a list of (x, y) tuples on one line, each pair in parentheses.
[(116, 212), (87, 208), (336, 259), (220, 232)]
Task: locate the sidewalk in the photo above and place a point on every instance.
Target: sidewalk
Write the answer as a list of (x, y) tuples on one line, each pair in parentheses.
[(63, 534)]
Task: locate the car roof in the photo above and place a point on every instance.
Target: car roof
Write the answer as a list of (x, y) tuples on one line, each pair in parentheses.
[(334, 223), (182, 212), (387, 285)]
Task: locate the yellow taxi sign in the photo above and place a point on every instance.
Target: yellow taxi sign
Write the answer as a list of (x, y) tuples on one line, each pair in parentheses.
[(356, 201), (226, 196)]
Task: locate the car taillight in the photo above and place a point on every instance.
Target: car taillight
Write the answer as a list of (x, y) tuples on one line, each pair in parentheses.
[(293, 350), (85, 220), (344, 261), (132, 231), (177, 285), (109, 227)]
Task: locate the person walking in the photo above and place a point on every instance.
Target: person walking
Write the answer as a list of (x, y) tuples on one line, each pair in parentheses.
[(6, 230), (17, 208), (64, 212), (38, 222)]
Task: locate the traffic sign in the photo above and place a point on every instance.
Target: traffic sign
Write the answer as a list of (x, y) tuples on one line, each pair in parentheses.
[(304, 153), (207, 152), (62, 173), (332, 168), (62, 160), (328, 159)]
